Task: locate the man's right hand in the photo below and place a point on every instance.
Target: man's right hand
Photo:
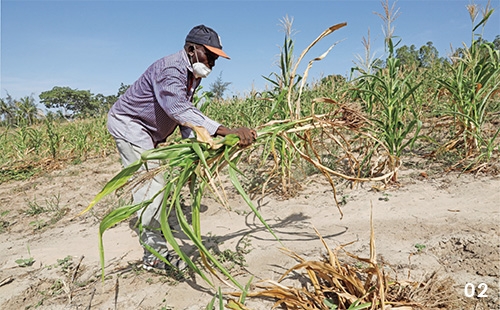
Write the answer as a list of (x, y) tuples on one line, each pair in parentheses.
[(247, 136)]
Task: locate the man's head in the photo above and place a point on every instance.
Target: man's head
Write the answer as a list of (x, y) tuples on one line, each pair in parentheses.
[(207, 37), (198, 53)]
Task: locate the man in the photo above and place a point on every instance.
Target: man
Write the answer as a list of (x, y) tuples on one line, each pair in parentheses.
[(151, 109)]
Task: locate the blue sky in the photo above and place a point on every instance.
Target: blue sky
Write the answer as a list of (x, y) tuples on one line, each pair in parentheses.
[(97, 45)]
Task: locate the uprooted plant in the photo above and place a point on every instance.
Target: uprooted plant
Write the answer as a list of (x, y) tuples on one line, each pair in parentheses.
[(332, 284)]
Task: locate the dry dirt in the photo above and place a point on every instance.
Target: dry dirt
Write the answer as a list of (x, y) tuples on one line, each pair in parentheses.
[(431, 222)]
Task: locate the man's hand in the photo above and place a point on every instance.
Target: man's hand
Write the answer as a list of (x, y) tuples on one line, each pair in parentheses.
[(247, 136)]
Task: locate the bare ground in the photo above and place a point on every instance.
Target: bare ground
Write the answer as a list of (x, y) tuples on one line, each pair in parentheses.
[(431, 222)]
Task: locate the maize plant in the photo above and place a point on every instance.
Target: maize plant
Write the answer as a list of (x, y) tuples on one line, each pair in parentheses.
[(196, 163), (389, 98), (193, 162), (472, 83)]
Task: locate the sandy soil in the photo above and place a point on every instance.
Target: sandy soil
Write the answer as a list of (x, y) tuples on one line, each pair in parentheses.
[(454, 221)]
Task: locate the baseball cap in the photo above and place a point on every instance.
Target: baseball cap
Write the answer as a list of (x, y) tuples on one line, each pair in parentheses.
[(207, 37)]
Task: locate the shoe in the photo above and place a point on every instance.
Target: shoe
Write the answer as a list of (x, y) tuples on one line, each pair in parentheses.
[(150, 262)]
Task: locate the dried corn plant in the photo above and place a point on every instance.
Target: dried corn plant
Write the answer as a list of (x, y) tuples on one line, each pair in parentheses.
[(331, 284)]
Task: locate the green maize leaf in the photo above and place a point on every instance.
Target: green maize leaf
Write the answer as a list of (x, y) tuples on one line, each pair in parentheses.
[(355, 306), (245, 291), (182, 179), (221, 300), (244, 195), (171, 147), (112, 218), (230, 140), (115, 183), (210, 305), (120, 214), (231, 163), (182, 161), (169, 236), (199, 152), (166, 154), (196, 195), (186, 228), (166, 193), (485, 18)]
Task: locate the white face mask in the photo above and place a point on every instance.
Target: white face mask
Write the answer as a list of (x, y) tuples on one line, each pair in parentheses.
[(200, 70)]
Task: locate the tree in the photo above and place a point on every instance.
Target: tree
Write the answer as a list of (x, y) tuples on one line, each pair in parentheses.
[(425, 57), (428, 55), (16, 112), (7, 110), (218, 87), (27, 110), (408, 56), (73, 102), (79, 103), (123, 88), (496, 42)]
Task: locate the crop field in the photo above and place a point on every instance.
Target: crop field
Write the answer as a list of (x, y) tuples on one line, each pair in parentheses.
[(375, 191)]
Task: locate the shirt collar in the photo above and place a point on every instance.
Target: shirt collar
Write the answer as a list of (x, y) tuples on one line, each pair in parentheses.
[(185, 58)]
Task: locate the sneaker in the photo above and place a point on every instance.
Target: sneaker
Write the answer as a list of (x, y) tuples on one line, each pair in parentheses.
[(150, 262)]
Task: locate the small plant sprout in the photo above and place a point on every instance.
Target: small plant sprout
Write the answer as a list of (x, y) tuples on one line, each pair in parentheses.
[(420, 247), (26, 262)]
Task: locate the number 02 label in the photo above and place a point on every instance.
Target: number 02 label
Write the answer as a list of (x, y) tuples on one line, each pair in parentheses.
[(470, 290)]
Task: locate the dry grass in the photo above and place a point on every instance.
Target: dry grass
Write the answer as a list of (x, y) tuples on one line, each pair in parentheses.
[(331, 284)]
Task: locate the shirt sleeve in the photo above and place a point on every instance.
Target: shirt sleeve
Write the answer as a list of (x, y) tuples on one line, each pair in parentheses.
[(174, 97)]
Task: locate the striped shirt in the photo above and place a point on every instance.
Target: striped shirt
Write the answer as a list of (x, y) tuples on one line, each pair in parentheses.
[(160, 100)]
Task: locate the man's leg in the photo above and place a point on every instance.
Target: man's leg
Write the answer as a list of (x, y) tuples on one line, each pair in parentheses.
[(150, 215)]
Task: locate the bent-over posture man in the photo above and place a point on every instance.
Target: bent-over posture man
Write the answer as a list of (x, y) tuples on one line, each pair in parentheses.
[(151, 109)]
